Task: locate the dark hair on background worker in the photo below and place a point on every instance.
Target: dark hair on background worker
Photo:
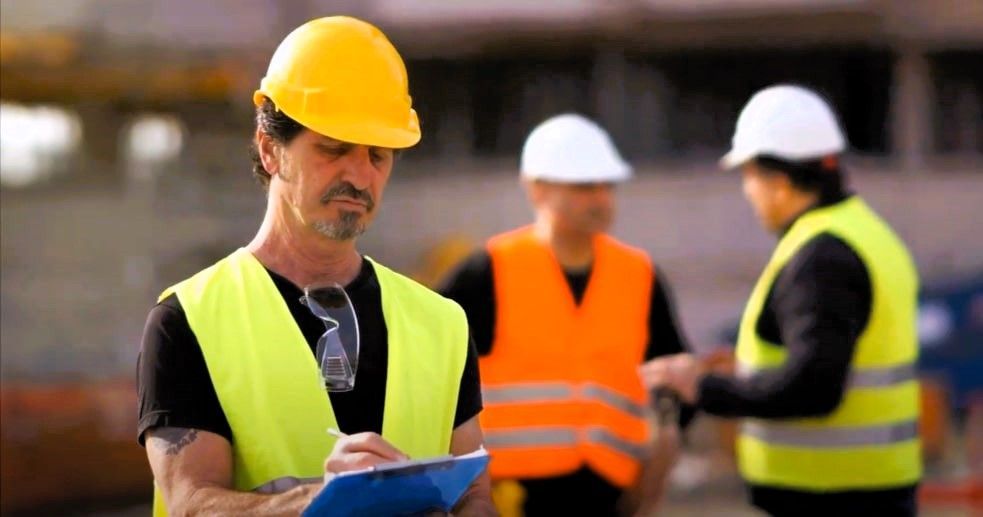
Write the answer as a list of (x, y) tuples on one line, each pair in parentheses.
[(824, 178)]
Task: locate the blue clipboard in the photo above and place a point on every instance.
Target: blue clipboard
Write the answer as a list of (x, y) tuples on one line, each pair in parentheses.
[(403, 488)]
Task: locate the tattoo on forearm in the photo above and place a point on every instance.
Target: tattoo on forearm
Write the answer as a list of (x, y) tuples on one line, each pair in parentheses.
[(172, 439)]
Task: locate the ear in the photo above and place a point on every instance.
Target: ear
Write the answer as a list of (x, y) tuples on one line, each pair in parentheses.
[(534, 191), (269, 152)]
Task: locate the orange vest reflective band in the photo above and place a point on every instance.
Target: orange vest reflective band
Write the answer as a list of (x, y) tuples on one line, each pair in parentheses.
[(560, 385)]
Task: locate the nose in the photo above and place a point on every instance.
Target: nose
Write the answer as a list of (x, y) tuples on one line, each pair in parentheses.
[(359, 169), (602, 194)]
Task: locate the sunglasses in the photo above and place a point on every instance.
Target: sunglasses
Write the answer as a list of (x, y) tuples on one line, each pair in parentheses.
[(337, 349)]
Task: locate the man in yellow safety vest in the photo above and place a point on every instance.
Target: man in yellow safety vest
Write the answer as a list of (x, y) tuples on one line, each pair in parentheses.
[(233, 405)]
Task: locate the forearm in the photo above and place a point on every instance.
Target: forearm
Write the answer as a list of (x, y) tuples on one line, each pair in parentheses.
[(813, 390), (820, 304), (727, 396), (477, 501), (223, 501), (810, 382), (644, 497), (666, 336)]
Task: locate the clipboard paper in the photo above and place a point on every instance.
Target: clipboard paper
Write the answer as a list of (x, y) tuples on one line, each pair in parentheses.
[(401, 488)]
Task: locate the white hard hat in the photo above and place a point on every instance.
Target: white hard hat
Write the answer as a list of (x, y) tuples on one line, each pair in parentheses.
[(787, 122), (571, 148)]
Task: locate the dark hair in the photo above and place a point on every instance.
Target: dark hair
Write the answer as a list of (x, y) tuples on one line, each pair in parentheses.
[(823, 177), (276, 125)]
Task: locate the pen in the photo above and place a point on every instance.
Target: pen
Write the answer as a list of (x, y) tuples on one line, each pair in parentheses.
[(336, 433)]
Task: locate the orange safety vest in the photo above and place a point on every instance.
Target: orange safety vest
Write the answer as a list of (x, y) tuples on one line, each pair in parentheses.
[(560, 385)]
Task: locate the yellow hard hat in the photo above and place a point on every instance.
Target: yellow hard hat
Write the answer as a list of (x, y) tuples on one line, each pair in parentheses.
[(342, 78)]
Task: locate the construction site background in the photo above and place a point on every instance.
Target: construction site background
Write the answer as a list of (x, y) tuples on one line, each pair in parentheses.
[(125, 134)]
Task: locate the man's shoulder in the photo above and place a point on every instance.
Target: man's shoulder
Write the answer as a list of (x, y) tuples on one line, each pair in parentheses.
[(167, 323), (199, 279), (408, 287), (827, 250), (627, 254), (513, 237), (477, 264), (469, 276), (827, 257), (170, 303), (420, 305)]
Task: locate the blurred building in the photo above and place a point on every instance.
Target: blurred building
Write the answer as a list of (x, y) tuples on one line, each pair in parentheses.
[(126, 124), (125, 127), (665, 75)]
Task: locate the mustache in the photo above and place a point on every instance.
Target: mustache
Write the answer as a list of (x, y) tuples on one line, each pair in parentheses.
[(346, 189), (598, 213)]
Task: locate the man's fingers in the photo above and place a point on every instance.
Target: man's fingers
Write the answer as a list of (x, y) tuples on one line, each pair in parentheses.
[(655, 373), (361, 451), (353, 461), (653, 367), (374, 444), (656, 381), (682, 361)]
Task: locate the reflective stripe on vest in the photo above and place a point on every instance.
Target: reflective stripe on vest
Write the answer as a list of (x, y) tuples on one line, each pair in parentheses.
[(870, 440), (543, 392), (560, 384), (532, 437), (562, 392), (602, 436), (614, 399), (830, 437), (876, 377), (562, 437), (280, 485), (255, 353)]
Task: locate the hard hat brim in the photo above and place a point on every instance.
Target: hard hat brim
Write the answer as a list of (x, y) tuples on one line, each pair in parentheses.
[(364, 131), (368, 133), (619, 176), (735, 158)]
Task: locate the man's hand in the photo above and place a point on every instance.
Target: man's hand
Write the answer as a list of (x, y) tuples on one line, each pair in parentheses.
[(360, 451), (680, 372)]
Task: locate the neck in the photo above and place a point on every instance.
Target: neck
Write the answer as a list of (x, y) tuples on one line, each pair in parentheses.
[(573, 250), (302, 255)]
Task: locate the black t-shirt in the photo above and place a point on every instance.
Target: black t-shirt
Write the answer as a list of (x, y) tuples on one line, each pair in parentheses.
[(473, 286), (583, 492), (175, 390)]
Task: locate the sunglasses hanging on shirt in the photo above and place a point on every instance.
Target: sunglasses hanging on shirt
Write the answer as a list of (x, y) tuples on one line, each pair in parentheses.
[(337, 349)]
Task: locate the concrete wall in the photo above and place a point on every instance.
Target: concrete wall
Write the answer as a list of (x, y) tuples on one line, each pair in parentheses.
[(694, 223), (82, 266)]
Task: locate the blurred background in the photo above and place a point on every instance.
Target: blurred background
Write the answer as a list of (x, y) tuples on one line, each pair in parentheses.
[(125, 125)]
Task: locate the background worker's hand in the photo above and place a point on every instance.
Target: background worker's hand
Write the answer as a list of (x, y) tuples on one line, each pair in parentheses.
[(360, 451), (680, 372)]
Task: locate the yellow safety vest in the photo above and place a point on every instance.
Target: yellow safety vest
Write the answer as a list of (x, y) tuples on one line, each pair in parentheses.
[(268, 381), (871, 439)]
